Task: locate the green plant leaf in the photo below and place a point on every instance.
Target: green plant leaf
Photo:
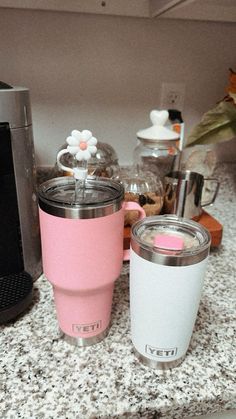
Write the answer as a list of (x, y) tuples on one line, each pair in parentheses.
[(216, 125)]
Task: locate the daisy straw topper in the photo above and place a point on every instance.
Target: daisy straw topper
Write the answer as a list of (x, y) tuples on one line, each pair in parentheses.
[(81, 145)]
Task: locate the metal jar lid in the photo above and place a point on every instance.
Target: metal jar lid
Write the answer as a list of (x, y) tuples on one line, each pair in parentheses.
[(97, 198), (169, 240)]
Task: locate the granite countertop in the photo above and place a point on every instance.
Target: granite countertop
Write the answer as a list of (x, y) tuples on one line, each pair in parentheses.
[(41, 376)]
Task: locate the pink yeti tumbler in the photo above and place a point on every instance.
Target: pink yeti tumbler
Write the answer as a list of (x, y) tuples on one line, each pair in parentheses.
[(82, 252)]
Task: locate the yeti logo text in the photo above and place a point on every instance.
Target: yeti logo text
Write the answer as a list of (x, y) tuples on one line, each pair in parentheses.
[(87, 328), (160, 352)]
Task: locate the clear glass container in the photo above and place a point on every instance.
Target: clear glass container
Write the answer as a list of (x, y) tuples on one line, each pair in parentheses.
[(157, 147), (142, 187), (160, 157), (103, 164)]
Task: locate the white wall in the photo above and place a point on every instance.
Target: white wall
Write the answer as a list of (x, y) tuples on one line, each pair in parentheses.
[(104, 73)]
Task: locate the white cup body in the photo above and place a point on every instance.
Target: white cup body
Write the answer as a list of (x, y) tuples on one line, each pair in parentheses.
[(164, 302)]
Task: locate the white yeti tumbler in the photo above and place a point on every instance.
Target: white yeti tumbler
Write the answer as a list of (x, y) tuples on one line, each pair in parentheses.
[(167, 265)]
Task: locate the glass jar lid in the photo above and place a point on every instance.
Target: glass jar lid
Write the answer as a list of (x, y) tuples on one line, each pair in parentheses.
[(158, 132), (94, 198), (169, 240)]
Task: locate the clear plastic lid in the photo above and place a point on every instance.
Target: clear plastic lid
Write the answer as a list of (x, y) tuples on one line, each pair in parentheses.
[(165, 237), (93, 197), (182, 241)]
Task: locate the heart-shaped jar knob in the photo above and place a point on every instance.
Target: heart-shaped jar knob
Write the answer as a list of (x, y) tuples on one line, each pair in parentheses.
[(159, 117)]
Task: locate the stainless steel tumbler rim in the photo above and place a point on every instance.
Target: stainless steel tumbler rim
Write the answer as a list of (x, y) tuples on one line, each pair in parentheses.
[(171, 258), (152, 363), (82, 342), (75, 210)]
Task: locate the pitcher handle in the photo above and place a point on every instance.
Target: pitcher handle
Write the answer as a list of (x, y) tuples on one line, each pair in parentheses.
[(212, 200), (129, 206)]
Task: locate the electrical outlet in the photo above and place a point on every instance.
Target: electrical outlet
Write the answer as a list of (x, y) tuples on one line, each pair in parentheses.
[(172, 96)]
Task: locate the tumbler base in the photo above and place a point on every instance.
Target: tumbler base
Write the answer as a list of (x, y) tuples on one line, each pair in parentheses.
[(157, 364), (78, 341)]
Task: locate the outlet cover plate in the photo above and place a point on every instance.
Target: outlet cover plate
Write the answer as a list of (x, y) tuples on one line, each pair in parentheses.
[(172, 96)]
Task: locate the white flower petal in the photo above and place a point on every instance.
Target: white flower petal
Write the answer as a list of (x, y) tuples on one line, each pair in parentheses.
[(92, 141), (72, 149), (86, 154), (79, 155), (72, 141), (86, 135), (92, 149), (83, 155), (77, 134)]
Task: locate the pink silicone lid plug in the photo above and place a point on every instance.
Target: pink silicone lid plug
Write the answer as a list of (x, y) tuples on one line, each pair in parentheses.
[(167, 241)]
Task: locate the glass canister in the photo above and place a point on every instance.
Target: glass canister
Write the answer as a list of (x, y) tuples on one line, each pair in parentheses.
[(142, 187), (157, 148), (103, 164)]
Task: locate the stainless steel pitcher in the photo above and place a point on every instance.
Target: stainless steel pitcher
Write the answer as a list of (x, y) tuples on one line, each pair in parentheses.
[(183, 193)]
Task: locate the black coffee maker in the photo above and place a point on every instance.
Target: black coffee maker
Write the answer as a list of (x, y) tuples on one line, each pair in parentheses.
[(20, 253)]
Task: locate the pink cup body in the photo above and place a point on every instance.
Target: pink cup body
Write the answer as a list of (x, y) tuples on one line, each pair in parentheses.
[(82, 258)]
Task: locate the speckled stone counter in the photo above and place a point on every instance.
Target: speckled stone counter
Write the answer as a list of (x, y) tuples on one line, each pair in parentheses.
[(41, 376)]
